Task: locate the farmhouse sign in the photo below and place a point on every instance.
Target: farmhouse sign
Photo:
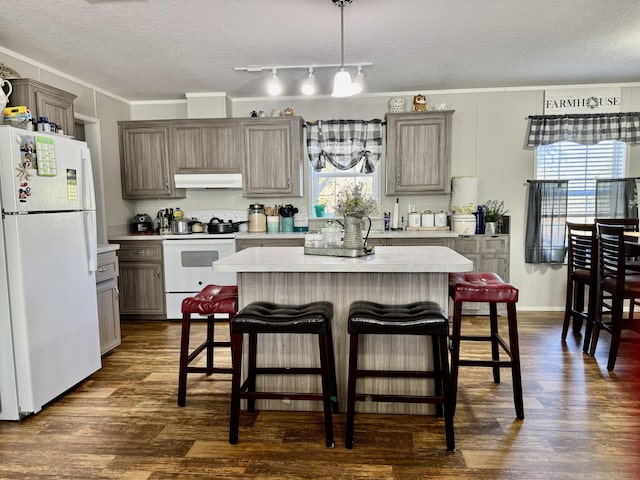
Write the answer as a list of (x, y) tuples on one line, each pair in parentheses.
[(582, 100)]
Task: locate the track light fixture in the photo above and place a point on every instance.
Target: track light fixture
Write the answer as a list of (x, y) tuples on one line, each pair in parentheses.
[(343, 86)]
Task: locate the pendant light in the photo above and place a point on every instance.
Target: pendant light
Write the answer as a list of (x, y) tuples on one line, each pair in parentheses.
[(342, 86)]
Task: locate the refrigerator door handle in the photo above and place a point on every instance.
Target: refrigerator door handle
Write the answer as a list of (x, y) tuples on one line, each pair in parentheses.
[(90, 236), (88, 193)]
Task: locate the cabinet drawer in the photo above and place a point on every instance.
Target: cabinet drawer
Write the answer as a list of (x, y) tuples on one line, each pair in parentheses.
[(465, 244), (140, 251), (241, 244), (498, 244), (107, 266)]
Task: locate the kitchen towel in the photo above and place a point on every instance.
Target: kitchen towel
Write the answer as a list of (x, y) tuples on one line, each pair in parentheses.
[(464, 194)]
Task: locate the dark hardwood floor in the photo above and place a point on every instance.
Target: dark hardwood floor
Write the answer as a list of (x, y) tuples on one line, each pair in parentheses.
[(124, 422)]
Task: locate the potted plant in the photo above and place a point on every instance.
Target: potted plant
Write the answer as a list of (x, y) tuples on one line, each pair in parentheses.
[(354, 204), (319, 208), (493, 212)]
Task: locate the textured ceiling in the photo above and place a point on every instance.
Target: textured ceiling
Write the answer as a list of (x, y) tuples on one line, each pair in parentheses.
[(162, 49)]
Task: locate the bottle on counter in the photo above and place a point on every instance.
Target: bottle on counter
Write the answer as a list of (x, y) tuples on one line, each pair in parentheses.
[(177, 213)]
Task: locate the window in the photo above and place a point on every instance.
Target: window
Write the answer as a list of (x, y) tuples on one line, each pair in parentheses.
[(326, 184), (581, 165)]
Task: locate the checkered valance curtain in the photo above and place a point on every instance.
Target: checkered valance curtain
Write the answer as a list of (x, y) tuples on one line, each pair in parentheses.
[(345, 143), (586, 129)]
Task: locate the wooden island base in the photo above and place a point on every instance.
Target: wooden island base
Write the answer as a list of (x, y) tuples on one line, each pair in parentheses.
[(382, 280)]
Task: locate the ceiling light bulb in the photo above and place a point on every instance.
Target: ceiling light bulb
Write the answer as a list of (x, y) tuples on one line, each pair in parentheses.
[(274, 85), (342, 86), (309, 85), (357, 82)]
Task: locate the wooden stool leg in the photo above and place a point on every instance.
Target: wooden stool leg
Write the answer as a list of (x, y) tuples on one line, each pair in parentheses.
[(210, 340), (332, 371), (437, 372), (495, 346), (515, 360), (184, 354), (455, 351), (325, 365), (251, 370), (351, 395), (449, 406), (234, 417), (578, 303)]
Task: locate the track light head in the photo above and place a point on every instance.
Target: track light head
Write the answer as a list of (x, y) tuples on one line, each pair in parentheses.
[(274, 85), (309, 85)]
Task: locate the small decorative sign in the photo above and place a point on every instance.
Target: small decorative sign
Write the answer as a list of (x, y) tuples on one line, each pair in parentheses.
[(582, 100)]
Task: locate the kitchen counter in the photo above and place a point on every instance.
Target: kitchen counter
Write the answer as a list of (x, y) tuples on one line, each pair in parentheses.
[(392, 275), (283, 235), (110, 247)]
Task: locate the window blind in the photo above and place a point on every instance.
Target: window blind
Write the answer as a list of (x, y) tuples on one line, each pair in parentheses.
[(581, 165)]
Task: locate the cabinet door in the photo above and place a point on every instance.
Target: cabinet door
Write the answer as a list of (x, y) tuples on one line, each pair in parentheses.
[(108, 315), (272, 150), (142, 290), (400, 242), (57, 108), (207, 146), (418, 153), (144, 162)]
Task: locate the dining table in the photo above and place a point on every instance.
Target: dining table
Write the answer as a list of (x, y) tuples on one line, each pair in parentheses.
[(390, 275)]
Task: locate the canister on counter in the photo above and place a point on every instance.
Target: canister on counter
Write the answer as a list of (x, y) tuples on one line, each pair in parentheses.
[(257, 218), (427, 219), (414, 219)]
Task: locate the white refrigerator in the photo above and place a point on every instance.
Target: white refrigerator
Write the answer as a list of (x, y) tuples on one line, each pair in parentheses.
[(49, 338)]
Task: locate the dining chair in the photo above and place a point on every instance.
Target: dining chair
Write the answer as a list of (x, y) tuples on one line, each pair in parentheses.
[(632, 264), (616, 281), (582, 273)]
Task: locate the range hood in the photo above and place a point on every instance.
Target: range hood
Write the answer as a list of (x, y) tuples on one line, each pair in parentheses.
[(208, 180)]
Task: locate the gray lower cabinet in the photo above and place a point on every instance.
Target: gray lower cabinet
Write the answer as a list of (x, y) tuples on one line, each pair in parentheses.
[(108, 298), (242, 243), (141, 280)]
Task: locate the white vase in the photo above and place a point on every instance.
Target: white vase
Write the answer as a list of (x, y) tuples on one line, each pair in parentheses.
[(4, 95), (490, 228)]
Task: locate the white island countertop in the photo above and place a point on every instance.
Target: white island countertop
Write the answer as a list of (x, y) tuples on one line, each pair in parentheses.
[(419, 259)]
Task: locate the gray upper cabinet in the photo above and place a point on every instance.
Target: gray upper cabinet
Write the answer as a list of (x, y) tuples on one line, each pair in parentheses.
[(272, 151), (145, 160), (206, 146), (418, 153), (44, 101)]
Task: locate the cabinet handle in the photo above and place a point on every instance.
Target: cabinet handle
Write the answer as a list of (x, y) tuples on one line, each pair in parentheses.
[(101, 270), (117, 290), (167, 185), (398, 180), (140, 252), (158, 272)]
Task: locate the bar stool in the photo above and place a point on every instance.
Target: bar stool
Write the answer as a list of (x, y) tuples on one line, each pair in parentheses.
[(218, 304), (262, 318), (419, 318), (486, 287)]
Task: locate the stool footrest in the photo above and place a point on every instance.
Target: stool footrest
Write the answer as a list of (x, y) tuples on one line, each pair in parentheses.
[(485, 363), (200, 348), (209, 371), (288, 371), (395, 374), (280, 395), (393, 398), (498, 338)]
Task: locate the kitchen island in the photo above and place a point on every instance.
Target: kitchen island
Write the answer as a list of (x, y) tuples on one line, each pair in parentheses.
[(391, 275)]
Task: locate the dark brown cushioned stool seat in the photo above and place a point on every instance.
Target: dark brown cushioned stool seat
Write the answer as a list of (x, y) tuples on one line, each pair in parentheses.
[(218, 304), (419, 318), (265, 317), (486, 287)]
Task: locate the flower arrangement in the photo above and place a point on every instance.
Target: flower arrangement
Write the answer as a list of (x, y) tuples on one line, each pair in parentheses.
[(353, 201), (493, 211)]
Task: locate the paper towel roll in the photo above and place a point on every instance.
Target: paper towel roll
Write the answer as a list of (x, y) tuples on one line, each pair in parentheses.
[(464, 194), (395, 216)]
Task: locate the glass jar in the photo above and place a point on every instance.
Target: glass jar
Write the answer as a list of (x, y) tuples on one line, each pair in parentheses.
[(257, 218), (331, 235)]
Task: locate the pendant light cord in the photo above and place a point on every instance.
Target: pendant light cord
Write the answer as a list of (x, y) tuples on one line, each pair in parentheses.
[(342, 34)]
